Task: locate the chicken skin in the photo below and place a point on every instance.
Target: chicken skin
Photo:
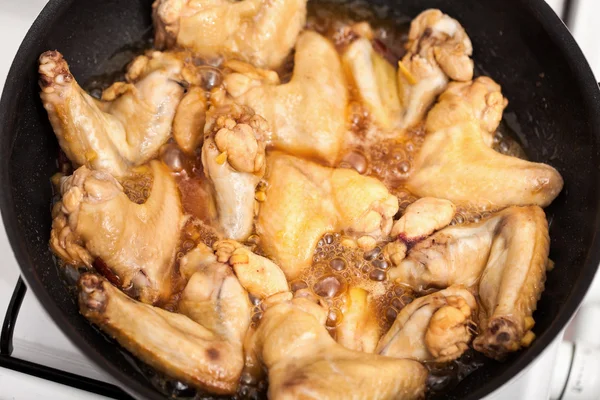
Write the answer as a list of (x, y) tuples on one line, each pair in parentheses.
[(233, 156), (202, 346), (456, 162), (505, 256), (136, 242), (305, 200), (125, 130), (438, 50), (303, 360), (257, 31), (420, 219), (432, 328), (189, 120), (307, 114), (376, 82), (258, 275), (359, 329)]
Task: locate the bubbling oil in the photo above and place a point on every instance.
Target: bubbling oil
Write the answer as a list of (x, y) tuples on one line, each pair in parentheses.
[(338, 267), (138, 187)]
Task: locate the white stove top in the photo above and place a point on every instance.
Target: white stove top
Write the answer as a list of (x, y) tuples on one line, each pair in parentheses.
[(38, 339)]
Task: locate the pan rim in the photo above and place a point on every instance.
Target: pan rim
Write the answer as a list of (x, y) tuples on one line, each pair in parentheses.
[(539, 10)]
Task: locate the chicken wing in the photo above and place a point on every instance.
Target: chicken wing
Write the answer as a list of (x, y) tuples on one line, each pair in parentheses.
[(432, 328), (125, 130), (307, 114), (455, 163), (505, 254), (233, 156), (303, 360), (376, 82), (512, 283), (215, 299), (305, 200), (137, 242), (202, 349), (359, 329), (439, 49), (188, 123), (420, 219), (257, 31), (258, 275), (199, 257)]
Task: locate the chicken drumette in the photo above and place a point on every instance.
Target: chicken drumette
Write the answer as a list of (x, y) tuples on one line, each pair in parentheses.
[(504, 257), (127, 128), (437, 327), (233, 156)]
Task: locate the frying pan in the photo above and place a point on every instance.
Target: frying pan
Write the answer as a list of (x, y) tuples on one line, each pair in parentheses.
[(554, 109)]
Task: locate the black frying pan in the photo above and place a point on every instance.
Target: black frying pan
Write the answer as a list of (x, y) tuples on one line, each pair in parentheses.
[(522, 44)]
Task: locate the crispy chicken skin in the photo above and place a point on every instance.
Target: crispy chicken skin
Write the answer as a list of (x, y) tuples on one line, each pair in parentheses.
[(456, 162), (504, 256), (137, 242), (436, 327), (257, 31), (305, 200), (233, 156), (304, 362), (307, 114), (113, 135), (201, 346)]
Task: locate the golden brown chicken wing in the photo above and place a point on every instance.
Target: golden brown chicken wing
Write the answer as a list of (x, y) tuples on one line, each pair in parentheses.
[(303, 360), (456, 162), (505, 255), (257, 31), (137, 242), (305, 200), (307, 114), (125, 130), (202, 348)]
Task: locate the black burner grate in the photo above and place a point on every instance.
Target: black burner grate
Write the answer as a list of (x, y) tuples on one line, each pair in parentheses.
[(42, 371)]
